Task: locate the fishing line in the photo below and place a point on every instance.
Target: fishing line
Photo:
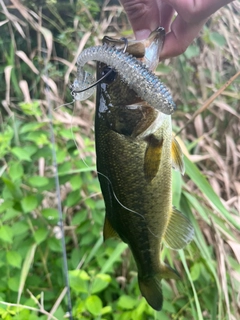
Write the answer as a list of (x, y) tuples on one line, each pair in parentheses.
[(59, 205), (64, 105), (60, 214)]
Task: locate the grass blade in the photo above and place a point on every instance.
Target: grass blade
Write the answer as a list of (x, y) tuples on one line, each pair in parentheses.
[(25, 269), (201, 182)]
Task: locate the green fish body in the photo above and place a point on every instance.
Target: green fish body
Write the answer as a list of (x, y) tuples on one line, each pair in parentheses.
[(135, 155)]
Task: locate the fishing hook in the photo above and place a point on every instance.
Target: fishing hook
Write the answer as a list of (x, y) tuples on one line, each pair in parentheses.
[(105, 75)]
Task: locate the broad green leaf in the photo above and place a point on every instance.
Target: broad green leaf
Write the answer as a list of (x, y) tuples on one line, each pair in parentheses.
[(16, 171), (40, 235), (66, 133), (38, 181), (31, 108), (13, 189), (94, 305), (38, 137), (217, 38), (76, 182), (61, 155), (50, 214), (79, 217), (10, 214), (100, 282), (5, 140), (14, 258), (192, 51), (32, 126), (73, 198), (168, 306), (126, 302), (21, 154), (13, 283), (31, 149), (29, 203), (6, 234), (54, 244), (106, 309), (65, 168), (20, 227), (195, 271), (6, 205), (79, 280)]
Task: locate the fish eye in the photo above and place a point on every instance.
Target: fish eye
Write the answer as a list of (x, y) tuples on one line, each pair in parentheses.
[(110, 77)]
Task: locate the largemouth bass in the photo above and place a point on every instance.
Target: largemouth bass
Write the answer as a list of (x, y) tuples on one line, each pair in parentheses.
[(135, 155)]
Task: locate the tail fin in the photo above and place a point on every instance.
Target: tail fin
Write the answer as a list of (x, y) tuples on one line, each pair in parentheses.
[(151, 286), (152, 291)]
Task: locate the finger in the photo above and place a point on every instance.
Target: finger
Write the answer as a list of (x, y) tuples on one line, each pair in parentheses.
[(193, 11), (166, 15), (180, 37), (143, 15)]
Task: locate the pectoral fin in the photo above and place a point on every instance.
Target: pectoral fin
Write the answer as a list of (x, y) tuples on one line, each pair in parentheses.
[(108, 231), (179, 231), (152, 157), (177, 157)]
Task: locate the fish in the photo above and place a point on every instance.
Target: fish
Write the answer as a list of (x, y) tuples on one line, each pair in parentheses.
[(136, 151)]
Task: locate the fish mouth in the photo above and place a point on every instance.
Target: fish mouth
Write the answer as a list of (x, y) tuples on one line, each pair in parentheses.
[(147, 51), (149, 90)]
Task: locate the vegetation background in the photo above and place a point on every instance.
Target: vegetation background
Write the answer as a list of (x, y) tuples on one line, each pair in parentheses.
[(39, 44)]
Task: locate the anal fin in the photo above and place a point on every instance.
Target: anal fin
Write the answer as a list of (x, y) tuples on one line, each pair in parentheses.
[(179, 231), (108, 231), (150, 285), (177, 157), (168, 272)]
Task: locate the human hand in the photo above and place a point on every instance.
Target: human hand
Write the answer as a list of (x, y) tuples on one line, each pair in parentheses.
[(146, 15)]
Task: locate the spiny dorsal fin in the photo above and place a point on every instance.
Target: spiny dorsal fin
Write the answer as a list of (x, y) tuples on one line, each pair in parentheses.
[(108, 231), (177, 157), (179, 231), (152, 157)]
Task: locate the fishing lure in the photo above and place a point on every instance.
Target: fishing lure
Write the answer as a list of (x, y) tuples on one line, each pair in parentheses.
[(139, 78)]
